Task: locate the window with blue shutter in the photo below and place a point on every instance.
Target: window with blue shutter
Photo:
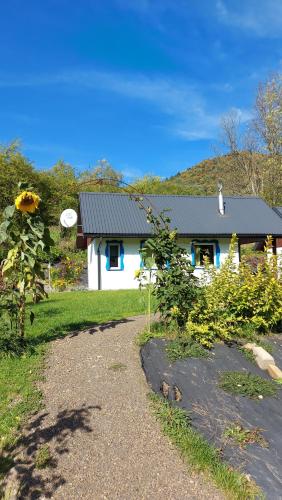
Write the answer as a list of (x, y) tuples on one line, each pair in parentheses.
[(114, 255), (205, 248)]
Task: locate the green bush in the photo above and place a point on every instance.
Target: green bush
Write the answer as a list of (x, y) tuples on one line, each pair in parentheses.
[(235, 300), (68, 271)]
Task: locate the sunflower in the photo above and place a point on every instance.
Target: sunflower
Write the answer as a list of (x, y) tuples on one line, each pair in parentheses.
[(137, 274), (27, 201)]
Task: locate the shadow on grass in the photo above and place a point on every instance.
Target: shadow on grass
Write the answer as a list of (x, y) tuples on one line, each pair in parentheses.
[(73, 329), (33, 483)]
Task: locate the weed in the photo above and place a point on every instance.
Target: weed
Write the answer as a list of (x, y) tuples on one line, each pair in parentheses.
[(265, 345), (157, 330), (43, 457), (247, 384), (176, 423), (6, 463), (116, 367), (249, 355), (243, 437), (185, 348)]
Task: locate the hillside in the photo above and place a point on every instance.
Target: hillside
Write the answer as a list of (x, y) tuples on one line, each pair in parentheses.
[(202, 179)]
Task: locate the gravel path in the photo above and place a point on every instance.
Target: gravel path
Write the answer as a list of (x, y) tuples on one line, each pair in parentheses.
[(104, 441)]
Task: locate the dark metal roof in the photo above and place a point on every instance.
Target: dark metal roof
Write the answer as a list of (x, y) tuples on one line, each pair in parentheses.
[(114, 214), (278, 210)]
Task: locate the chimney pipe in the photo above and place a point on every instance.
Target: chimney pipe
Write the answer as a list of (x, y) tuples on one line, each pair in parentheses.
[(221, 204)]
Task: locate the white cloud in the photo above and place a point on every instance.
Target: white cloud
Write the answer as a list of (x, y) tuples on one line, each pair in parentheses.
[(56, 149), (191, 116), (244, 115), (131, 173), (261, 17)]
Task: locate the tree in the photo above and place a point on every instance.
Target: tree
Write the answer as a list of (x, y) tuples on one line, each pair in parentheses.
[(59, 187), (256, 148), (245, 161), (268, 119), (102, 177), (14, 168), (268, 126)]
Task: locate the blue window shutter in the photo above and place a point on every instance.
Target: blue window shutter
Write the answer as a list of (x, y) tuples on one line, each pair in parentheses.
[(193, 255), (142, 263), (217, 254), (107, 253), (121, 256)]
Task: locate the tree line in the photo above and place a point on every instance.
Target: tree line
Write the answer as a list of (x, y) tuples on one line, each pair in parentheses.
[(250, 163), (60, 185)]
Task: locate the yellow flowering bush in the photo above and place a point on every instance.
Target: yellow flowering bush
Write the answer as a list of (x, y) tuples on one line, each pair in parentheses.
[(67, 272), (237, 299)]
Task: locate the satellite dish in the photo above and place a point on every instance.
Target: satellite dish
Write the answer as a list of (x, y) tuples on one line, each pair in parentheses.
[(68, 217)]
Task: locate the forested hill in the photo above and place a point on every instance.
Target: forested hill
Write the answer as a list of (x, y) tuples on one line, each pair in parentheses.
[(202, 179), (60, 185)]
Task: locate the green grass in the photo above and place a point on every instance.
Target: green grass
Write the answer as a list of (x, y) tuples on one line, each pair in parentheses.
[(117, 367), (43, 457), (199, 453), (54, 318), (157, 330), (247, 384), (185, 348), (249, 355)]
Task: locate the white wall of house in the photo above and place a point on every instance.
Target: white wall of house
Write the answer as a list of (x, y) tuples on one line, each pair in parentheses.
[(114, 279)]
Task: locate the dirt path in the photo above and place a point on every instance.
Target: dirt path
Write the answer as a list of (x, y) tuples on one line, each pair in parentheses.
[(104, 441)]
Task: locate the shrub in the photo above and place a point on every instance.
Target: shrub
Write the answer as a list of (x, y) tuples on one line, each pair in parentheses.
[(68, 271), (235, 299)]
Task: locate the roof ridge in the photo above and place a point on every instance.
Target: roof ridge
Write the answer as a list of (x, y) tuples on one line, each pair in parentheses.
[(107, 193)]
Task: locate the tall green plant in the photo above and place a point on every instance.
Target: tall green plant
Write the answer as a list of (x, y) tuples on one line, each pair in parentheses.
[(175, 287), (25, 236), (145, 278)]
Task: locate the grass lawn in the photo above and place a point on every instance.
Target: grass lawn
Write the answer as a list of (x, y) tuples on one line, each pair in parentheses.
[(55, 317)]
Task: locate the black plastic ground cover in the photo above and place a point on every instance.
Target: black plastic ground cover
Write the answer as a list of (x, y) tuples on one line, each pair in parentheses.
[(213, 410)]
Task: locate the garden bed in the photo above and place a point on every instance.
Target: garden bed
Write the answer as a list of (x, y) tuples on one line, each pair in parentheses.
[(222, 418)]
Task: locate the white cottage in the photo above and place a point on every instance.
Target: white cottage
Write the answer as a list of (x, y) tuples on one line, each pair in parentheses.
[(114, 228)]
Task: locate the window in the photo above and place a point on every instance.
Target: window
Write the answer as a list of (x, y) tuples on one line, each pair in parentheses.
[(114, 255), (203, 251)]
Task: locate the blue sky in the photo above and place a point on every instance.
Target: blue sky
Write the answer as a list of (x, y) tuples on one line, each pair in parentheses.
[(142, 83)]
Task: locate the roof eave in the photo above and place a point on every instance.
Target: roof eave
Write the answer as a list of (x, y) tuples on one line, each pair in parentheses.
[(182, 235)]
